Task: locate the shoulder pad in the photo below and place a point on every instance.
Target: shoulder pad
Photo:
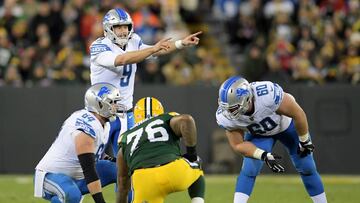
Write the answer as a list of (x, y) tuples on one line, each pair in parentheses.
[(173, 113)]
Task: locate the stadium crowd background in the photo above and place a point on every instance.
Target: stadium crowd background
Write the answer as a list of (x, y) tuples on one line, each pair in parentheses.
[(45, 43)]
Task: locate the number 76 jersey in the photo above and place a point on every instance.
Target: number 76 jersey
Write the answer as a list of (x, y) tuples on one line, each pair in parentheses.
[(150, 143), (264, 121)]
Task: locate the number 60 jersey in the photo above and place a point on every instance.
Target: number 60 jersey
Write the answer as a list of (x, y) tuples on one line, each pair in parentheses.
[(264, 121)]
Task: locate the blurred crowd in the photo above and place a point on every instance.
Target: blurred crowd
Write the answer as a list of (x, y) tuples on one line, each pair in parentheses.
[(44, 43), (307, 41)]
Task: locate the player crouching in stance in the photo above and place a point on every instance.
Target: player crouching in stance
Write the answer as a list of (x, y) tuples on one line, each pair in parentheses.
[(254, 117), (150, 154), (71, 167)]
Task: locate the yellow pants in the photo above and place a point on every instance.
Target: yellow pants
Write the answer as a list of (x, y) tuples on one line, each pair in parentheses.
[(151, 185)]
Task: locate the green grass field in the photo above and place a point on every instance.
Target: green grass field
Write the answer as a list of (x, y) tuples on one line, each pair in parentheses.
[(268, 189)]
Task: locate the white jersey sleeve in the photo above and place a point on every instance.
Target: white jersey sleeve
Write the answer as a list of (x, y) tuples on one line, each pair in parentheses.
[(62, 157)]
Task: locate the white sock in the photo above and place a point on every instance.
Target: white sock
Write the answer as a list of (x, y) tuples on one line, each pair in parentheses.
[(240, 197), (197, 200), (320, 198)]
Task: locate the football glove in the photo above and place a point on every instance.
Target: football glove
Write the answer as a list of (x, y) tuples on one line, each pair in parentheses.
[(270, 160), (305, 148), (191, 156), (194, 164)]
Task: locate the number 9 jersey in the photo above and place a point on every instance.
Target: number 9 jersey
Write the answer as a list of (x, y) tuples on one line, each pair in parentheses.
[(264, 121), (102, 66)]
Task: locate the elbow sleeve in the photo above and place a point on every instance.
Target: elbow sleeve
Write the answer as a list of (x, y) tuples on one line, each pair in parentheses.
[(87, 162)]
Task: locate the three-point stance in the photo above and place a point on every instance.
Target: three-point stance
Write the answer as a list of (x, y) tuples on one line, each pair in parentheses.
[(150, 154), (71, 167), (254, 117)]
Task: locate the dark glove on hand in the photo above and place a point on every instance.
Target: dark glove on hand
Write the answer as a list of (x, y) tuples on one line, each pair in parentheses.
[(270, 160), (190, 154), (110, 158), (192, 157), (305, 148)]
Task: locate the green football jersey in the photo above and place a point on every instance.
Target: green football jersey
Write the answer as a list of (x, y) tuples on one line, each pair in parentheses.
[(150, 144)]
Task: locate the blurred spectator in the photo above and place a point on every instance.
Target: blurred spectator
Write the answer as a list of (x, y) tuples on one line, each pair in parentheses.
[(151, 73), (48, 16), (12, 77), (309, 41), (177, 71), (146, 24), (254, 64), (5, 52)]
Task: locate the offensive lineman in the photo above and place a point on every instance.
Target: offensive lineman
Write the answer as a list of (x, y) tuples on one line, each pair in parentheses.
[(150, 154), (254, 117), (71, 167), (113, 59)]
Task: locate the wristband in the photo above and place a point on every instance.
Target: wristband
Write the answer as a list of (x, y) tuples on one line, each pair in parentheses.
[(191, 150), (304, 138), (258, 154), (179, 44)]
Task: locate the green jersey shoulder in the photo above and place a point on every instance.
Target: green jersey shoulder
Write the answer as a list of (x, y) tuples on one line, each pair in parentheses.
[(150, 143)]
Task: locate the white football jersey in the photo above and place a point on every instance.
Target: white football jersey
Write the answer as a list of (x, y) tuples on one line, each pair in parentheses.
[(102, 58), (264, 121), (62, 157)]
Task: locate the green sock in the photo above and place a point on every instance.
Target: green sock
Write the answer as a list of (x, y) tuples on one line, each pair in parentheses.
[(197, 189)]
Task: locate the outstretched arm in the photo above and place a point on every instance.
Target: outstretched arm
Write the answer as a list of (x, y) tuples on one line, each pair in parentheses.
[(188, 41), (84, 145), (138, 56)]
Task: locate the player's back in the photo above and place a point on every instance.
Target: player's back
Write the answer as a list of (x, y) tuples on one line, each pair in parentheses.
[(151, 143)]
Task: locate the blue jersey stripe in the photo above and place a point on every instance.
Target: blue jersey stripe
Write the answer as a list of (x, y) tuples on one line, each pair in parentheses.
[(98, 48), (226, 86)]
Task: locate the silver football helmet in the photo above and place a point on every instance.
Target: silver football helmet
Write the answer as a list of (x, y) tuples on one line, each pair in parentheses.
[(235, 97), (117, 17), (102, 98)]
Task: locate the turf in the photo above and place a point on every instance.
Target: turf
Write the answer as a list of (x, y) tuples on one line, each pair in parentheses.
[(268, 189)]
